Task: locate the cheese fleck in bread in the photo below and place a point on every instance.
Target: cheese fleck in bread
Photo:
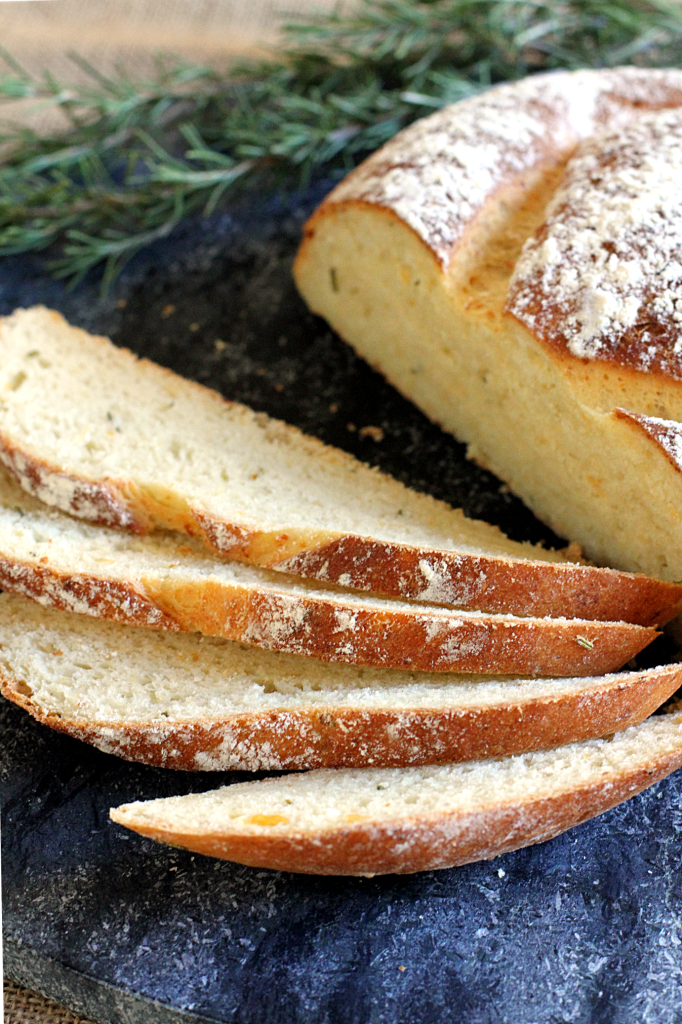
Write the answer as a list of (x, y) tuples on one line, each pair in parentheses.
[(378, 821)]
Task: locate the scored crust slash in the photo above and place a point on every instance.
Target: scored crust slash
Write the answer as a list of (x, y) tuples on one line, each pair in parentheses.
[(525, 291)]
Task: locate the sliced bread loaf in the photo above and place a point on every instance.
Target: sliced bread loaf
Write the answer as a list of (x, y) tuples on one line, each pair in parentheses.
[(512, 264), (378, 821), (186, 701), (257, 490), (168, 581)]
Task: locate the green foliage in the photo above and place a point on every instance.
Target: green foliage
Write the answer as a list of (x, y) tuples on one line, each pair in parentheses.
[(141, 155)]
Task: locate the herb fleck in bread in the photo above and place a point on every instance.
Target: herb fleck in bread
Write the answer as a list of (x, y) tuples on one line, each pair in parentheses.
[(513, 265), (377, 821), (186, 701), (169, 581), (258, 490)]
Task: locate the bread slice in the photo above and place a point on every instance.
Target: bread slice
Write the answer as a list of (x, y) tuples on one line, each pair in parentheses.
[(168, 581), (379, 821), (514, 269), (258, 490), (186, 701)]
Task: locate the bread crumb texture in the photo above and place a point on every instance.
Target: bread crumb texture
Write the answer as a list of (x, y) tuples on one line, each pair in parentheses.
[(186, 701), (537, 284), (238, 471), (322, 800)]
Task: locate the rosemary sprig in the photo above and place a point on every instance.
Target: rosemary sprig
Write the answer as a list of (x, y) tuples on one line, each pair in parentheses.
[(138, 156)]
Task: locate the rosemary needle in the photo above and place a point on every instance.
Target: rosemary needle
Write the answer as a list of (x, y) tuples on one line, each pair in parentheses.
[(139, 156)]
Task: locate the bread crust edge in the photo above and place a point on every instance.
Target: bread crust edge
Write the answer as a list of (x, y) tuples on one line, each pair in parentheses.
[(345, 737), (432, 640), (422, 843), (487, 582)]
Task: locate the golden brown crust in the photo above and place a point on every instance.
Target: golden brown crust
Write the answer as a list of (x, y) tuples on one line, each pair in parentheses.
[(599, 279), (401, 638), (666, 434), (344, 737), (422, 844), (334, 630), (486, 583), (100, 502), (90, 595)]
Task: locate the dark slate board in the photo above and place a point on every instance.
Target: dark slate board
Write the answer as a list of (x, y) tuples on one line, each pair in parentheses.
[(586, 928)]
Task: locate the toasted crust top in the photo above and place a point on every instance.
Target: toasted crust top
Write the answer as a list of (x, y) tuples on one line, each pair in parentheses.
[(601, 279), (437, 174), (602, 276), (666, 434)]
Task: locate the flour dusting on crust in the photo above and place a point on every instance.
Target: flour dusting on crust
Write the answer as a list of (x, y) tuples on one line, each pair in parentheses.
[(603, 275), (666, 433), (437, 174)]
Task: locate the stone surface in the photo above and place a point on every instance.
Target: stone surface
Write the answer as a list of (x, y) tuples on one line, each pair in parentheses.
[(587, 928)]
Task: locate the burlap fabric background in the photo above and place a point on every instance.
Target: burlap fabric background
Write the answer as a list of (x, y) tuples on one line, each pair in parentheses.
[(128, 33), (24, 1007), (40, 34)]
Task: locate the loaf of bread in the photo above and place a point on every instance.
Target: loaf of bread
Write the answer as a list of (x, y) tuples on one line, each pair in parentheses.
[(168, 581), (135, 446), (376, 821), (186, 701), (513, 264)]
